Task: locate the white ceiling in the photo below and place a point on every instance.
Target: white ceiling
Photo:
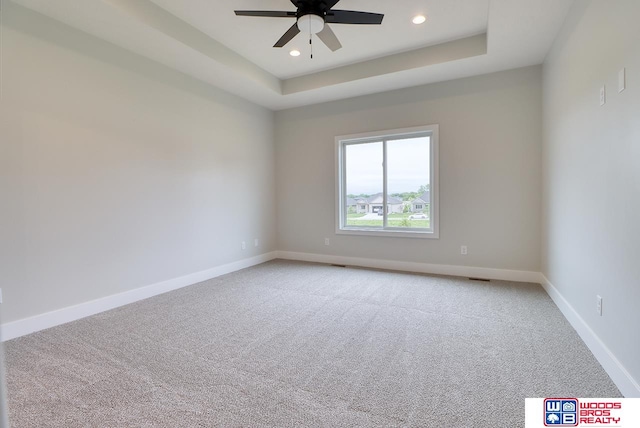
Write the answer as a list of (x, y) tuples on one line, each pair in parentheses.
[(205, 39), (253, 38)]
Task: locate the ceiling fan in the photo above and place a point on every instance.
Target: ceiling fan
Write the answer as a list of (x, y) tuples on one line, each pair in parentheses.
[(312, 17)]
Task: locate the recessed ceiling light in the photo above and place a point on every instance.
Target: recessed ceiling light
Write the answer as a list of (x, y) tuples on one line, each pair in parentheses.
[(419, 19), (294, 52)]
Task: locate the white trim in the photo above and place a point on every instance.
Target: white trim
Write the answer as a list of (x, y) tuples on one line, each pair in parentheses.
[(434, 186), (627, 385), (386, 233), (29, 325), (464, 271)]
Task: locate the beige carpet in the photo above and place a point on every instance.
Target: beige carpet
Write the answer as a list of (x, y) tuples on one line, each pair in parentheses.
[(289, 344)]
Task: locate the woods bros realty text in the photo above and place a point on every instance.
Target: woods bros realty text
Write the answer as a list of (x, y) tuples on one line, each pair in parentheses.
[(598, 412)]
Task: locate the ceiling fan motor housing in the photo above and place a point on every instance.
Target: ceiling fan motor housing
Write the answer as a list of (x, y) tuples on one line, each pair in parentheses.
[(310, 16)]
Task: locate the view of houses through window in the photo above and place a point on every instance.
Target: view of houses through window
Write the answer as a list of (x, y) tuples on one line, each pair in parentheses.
[(403, 210)]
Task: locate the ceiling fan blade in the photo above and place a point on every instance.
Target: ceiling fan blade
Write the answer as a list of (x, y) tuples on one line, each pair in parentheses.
[(353, 17), (266, 13), (329, 38), (286, 38)]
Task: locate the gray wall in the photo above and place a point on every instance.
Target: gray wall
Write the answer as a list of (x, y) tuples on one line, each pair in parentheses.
[(591, 157), (117, 172), (490, 159)]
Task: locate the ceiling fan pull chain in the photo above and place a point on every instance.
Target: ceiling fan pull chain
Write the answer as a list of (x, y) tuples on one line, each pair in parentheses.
[(310, 37)]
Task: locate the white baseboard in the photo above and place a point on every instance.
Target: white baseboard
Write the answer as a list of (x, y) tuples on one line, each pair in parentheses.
[(29, 325), (464, 271), (627, 385)]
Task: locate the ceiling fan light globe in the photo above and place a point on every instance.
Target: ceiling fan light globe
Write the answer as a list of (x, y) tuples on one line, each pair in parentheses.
[(310, 24)]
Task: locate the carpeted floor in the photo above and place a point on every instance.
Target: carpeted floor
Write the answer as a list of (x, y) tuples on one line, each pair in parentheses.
[(289, 344)]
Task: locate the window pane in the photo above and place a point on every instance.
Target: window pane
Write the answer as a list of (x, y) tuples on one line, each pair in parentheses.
[(363, 175), (408, 183)]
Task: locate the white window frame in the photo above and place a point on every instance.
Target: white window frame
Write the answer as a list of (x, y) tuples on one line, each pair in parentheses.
[(341, 194)]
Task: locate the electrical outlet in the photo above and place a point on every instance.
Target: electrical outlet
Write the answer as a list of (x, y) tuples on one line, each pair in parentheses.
[(463, 250), (326, 241), (622, 81), (603, 95), (243, 245), (599, 305), (256, 242), (0, 295)]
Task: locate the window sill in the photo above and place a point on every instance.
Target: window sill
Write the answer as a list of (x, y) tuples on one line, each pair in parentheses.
[(388, 233)]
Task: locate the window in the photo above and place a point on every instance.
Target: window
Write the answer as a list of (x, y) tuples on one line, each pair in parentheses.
[(394, 169)]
